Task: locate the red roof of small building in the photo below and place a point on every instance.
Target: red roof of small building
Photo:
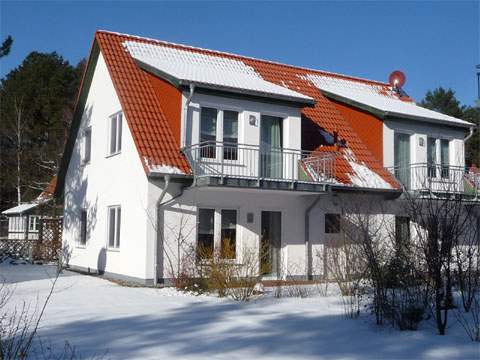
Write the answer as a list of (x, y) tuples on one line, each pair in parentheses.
[(153, 132)]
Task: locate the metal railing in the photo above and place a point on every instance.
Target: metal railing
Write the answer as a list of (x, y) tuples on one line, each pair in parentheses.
[(216, 159), (437, 178)]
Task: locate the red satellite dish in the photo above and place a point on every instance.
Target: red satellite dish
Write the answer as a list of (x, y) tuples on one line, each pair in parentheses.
[(397, 79)]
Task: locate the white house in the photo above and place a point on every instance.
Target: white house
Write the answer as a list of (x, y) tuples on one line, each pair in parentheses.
[(173, 143)]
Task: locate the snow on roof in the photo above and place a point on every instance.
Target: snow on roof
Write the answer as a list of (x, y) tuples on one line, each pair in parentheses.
[(363, 176), (210, 70), (379, 97), (20, 209), (162, 169)]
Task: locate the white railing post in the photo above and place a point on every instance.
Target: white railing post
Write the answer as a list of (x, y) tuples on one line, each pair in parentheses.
[(222, 150)]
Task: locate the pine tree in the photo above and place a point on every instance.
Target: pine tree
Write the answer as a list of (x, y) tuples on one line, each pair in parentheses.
[(36, 106), (444, 101)]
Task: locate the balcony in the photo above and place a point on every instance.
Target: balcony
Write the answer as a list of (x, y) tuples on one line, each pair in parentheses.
[(438, 179), (240, 165)]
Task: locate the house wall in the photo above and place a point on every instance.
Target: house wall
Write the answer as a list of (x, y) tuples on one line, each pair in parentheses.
[(179, 221), (105, 181), (18, 225), (179, 212), (422, 130), (248, 134)]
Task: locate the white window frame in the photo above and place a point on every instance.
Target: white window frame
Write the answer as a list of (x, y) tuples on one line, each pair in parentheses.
[(118, 118), (217, 227), (35, 223), (117, 228), (219, 138), (87, 148)]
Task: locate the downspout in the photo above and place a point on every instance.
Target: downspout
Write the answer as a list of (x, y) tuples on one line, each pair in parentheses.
[(158, 204), (308, 245), (185, 115), (472, 131)]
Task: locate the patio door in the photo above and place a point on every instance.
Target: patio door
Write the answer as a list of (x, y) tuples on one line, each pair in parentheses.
[(271, 243), (402, 158), (271, 147)]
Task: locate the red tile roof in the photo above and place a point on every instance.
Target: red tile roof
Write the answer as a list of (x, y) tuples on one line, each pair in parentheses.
[(49, 190), (153, 133)]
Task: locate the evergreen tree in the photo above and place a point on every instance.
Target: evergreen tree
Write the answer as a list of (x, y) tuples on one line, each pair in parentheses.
[(444, 101), (36, 105), (6, 46)]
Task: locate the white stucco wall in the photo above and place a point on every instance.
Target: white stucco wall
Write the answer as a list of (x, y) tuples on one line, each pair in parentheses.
[(423, 130), (179, 219), (106, 181), (248, 134)]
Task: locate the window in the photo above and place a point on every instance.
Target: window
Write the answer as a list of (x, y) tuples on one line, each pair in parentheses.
[(33, 223), (402, 229), (115, 134), (230, 135), (229, 233), (205, 233), (83, 227), (208, 132), (444, 157), (114, 219), (432, 157), (87, 146), (332, 223)]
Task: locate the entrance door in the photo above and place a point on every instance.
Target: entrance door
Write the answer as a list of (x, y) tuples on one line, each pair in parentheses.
[(271, 243), (271, 147), (402, 158)]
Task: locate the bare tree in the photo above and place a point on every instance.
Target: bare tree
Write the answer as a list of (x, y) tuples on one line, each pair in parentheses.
[(441, 220)]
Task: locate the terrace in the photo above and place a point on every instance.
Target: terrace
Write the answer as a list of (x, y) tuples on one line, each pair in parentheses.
[(438, 179), (242, 165)]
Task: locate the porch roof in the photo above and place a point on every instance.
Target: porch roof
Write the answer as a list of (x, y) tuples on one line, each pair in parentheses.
[(20, 209)]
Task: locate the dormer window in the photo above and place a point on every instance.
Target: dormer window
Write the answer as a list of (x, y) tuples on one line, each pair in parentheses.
[(115, 143)]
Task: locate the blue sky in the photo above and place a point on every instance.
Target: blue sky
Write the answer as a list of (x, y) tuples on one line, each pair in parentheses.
[(434, 43)]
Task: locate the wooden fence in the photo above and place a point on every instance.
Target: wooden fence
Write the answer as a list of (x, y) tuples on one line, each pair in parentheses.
[(46, 248)]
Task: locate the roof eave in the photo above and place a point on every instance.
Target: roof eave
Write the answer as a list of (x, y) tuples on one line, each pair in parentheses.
[(394, 193), (382, 114), (77, 115), (394, 115), (301, 101)]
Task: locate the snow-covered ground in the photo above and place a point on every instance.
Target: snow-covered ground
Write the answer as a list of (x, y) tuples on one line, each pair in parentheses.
[(100, 317)]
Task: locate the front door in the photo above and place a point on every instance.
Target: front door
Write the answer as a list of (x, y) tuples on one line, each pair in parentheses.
[(271, 243), (271, 147)]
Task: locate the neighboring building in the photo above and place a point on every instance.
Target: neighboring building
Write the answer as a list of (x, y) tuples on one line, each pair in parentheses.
[(24, 219), (209, 147)]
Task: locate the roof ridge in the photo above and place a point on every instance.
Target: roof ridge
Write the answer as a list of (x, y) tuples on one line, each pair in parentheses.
[(321, 72)]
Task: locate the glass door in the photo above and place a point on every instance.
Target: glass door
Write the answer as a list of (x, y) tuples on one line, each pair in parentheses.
[(271, 243), (271, 156), (402, 158)]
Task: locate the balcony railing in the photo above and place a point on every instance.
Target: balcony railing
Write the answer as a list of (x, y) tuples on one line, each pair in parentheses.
[(437, 178), (254, 162)]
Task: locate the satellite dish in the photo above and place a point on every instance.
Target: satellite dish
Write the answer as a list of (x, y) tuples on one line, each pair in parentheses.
[(397, 79)]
